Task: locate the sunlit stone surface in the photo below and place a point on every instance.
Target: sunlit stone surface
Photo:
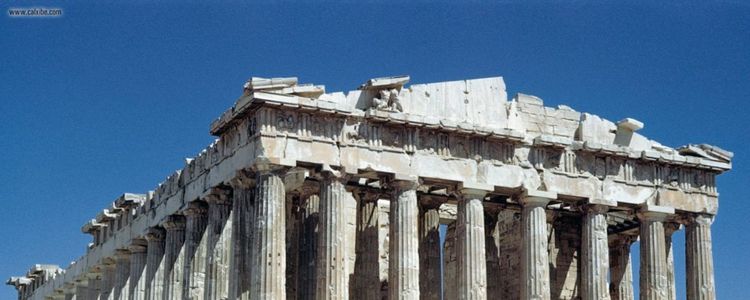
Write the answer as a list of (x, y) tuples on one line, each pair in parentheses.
[(312, 195)]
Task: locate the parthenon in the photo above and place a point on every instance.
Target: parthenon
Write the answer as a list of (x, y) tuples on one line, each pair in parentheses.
[(312, 195)]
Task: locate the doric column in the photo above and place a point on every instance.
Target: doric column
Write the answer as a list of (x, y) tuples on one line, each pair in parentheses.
[(669, 229), (242, 216), (367, 265), (309, 243), (122, 272), (621, 268), (108, 279), (595, 253), (175, 238), (293, 227), (268, 257), (218, 237), (137, 280), (494, 286), (196, 220), (699, 258), (429, 249), (653, 277), (93, 285), (331, 261), (154, 256), (471, 257), (82, 288), (450, 286), (403, 262), (70, 291), (534, 256)]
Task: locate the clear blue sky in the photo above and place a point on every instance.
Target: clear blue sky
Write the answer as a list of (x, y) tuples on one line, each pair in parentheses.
[(110, 98)]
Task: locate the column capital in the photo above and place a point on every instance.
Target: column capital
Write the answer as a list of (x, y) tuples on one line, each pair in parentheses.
[(244, 180), (154, 234), (405, 182), (595, 208), (623, 239), (264, 165), (699, 219), (654, 213), (218, 196), (475, 190), (174, 222), (195, 208), (137, 246), (536, 198), (122, 254)]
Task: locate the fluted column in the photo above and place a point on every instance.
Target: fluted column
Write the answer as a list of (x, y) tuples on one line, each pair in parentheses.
[(403, 262), (331, 261), (699, 258), (82, 289), (175, 238), (70, 291), (367, 265), (242, 216), (534, 256), (196, 220), (122, 272), (653, 269), (108, 279), (154, 256), (268, 253), (621, 268), (669, 229), (137, 280), (471, 257), (429, 250), (93, 285), (219, 245), (309, 246), (595, 256)]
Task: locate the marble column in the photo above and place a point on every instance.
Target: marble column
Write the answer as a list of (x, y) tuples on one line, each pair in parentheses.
[(94, 281), (196, 220), (154, 256), (331, 260), (242, 216), (471, 257), (82, 289), (534, 256), (621, 268), (403, 262), (108, 279), (595, 254), (70, 291), (293, 227), (450, 286), (492, 247), (137, 280), (268, 257), (699, 258), (653, 269), (219, 245), (309, 245), (429, 250), (367, 265), (122, 272), (175, 238), (669, 229)]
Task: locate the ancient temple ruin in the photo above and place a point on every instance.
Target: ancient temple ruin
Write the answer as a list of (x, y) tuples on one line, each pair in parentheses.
[(312, 195)]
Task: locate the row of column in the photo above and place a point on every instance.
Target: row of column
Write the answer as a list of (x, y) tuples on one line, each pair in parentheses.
[(209, 253)]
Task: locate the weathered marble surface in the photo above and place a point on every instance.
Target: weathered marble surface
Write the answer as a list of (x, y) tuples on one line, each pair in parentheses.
[(395, 148)]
